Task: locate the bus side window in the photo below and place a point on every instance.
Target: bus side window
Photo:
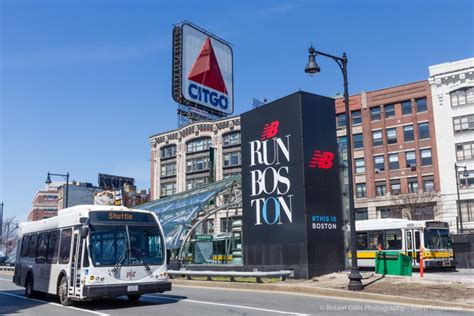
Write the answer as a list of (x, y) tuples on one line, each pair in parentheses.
[(417, 240), (409, 240), (25, 242), (32, 246), (375, 239), (393, 239), (362, 241), (42, 248), (65, 246), (53, 247)]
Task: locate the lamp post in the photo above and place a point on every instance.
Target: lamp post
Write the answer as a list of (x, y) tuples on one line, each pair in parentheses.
[(355, 283), (465, 174), (65, 176)]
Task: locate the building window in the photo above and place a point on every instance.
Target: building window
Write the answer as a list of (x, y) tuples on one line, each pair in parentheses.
[(356, 117), (395, 187), (467, 210), (423, 130), (199, 144), (379, 163), (426, 157), (463, 123), (465, 150), (361, 190), (406, 107), (359, 165), (198, 164), (50, 197), (466, 182), (375, 113), (408, 134), (342, 147), (362, 213), (393, 162), (410, 159), (428, 184), (386, 212), (389, 110), (168, 151), (196, 182), (231, 139), (358, 141), (232, 159), (168, 170), (341, 120), (377, 138), (391, 135), (462, 96), (413, 185), (380, 189), (167, 189), (421, 105)]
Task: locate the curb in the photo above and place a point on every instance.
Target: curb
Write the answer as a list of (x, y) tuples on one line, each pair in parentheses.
[(330, 293)]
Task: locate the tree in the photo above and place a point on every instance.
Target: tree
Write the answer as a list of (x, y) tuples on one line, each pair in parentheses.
[(415, 206), (9, 235)]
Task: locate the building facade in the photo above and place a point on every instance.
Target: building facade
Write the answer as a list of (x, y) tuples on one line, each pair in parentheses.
[(181, 159), (452, 86), (79, 193), (394, 152), (45, 202)]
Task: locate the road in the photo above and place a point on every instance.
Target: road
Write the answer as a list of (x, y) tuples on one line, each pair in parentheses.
[(202, 301)]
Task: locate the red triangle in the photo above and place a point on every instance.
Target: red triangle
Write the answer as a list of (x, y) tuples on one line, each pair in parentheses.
[(206, 70)]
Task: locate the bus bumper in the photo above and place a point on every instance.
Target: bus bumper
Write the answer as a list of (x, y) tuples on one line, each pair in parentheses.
[(110, 290), (439, 263)]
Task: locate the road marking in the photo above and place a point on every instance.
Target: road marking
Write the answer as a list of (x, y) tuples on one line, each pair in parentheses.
[(225, 305), (355, 299), (55, 304)]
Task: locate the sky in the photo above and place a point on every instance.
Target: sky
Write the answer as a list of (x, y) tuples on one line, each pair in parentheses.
[(83, 84)]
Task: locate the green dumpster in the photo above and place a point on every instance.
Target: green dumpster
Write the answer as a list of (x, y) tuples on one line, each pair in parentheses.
[(393, 263)]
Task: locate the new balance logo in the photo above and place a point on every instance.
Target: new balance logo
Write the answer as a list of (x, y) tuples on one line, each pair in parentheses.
[(321, 159), (270, 130)]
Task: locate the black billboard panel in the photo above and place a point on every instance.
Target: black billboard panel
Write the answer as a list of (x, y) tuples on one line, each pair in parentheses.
[(290, 186)]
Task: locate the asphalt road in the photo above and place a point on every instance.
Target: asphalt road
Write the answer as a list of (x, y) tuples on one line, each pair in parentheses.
[(203, 301)]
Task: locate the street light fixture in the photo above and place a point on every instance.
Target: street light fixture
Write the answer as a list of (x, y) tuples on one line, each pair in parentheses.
[(465, 175), (66, 177), (355, 283)]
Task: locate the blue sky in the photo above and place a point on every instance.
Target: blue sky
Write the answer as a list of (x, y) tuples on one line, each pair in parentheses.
[(85, 83)]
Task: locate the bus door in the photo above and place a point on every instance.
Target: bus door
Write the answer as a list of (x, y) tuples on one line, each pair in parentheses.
[(410, 244), (417, 245), (75, 273)]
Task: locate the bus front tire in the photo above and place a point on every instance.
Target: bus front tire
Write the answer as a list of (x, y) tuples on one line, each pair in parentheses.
[(62, 293), (134, 297), (29, 286)]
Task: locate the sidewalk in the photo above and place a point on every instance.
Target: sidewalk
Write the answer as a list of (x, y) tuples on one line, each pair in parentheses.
[(447, 290)]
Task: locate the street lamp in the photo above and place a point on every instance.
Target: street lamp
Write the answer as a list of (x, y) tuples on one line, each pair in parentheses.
[(355, 283), (465, 174), (65, 176)]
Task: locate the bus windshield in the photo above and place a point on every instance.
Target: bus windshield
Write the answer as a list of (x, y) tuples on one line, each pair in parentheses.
[(141, 245), (437, 238)]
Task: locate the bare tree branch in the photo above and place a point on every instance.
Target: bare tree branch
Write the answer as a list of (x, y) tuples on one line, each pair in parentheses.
[(415, 206)]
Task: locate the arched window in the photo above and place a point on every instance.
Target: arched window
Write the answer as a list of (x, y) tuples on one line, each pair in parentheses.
[(199, 144), (168, 151), (462, 96), (231, 139)]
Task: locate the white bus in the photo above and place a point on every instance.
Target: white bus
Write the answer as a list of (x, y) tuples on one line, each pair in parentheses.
[(407, 237), (92, 251)]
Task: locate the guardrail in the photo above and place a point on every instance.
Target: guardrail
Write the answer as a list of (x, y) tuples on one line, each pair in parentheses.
[(7, 268), (258, 275)]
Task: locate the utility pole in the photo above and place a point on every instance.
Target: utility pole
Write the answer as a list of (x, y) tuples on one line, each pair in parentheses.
[(1, 225)]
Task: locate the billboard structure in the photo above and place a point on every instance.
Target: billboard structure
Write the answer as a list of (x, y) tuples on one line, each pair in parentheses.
[(202, 75), (292, 212)]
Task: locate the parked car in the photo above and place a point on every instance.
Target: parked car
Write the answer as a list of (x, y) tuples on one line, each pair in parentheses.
[(3, 259), (10, 262)]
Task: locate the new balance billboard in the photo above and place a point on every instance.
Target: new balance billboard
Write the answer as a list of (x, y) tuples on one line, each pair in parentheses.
[(202, 70), (292, 212)]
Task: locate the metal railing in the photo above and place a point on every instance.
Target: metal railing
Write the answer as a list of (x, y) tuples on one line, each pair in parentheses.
[(258, 275)]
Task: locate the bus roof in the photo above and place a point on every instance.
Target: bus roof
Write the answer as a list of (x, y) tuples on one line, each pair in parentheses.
[(391, 223), (69, 217)]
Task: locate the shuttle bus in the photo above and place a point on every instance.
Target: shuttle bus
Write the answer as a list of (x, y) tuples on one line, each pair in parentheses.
[(92, 251), (407, 237)]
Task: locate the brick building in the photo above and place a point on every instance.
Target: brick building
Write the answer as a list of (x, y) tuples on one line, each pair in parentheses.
[(45, 202), (394, 152)]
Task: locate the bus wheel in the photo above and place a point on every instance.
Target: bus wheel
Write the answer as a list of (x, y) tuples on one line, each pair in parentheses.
[(29, 283), (134, 297), (62, 293)]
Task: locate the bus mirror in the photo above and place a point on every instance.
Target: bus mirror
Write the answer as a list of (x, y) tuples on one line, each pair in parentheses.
[(168, 256), (84, 232)]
